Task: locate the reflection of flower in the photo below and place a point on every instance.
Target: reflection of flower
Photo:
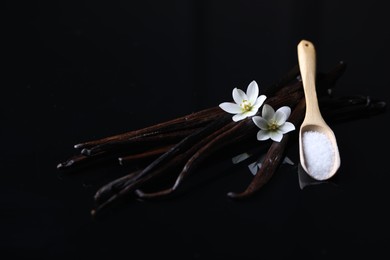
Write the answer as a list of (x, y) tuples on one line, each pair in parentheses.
[(255, 166), (273, 124), (246, 104)]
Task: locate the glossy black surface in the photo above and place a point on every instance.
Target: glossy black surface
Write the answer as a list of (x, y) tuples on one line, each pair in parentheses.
[(81, 71)]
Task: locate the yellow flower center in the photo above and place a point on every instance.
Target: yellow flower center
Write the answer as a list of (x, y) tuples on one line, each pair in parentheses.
[(273, 126), (246, 105)]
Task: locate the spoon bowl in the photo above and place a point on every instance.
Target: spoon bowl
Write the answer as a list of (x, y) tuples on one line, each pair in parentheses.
[(318, 149)]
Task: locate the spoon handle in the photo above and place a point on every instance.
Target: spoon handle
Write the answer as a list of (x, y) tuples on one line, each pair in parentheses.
[(307, 66)]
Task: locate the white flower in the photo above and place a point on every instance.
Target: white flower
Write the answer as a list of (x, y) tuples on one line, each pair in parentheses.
[(246, 104), (273, 124)]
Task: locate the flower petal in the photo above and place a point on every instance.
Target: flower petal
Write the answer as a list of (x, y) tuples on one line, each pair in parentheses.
[(267, 112), (259, 101), (251, 112), (276, 135), (241, 157), (239, 96), (260, 122), (263, 135), (280, 117), (288, 161), (286, 110), (252, 92), (231, 108), (286, 127), (254, 167), (239, 117)]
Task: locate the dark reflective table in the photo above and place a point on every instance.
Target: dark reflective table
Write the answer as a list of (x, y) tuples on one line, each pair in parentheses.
[(79, 72)]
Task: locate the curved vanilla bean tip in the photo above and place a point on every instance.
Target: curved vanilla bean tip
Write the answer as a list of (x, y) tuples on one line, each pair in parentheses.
[(152, 195), (111, 200), (65, 164), (78, 146), (96, 214), (248, 192), (161, 193), (236, 195), (378, 105), (114, 186), (74, 161), (121, 161)]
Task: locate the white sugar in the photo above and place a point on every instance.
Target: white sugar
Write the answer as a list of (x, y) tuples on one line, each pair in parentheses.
[(318, 154)]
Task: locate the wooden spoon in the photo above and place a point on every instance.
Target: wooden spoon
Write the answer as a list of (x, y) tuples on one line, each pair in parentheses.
[(318, 150)]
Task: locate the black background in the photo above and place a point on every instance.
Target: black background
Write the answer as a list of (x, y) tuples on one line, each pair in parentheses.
[(79, 71)]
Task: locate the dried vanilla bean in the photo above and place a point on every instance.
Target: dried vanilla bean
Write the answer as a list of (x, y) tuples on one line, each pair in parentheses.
[(351, 108), (144, 155), (140, 141), (185, 122)]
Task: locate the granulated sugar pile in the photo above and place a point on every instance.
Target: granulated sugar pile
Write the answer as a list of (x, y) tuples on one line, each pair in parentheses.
[(318, 153)]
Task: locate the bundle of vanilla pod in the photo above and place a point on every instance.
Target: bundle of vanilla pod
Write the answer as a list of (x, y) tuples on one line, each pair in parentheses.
[(176, 148)]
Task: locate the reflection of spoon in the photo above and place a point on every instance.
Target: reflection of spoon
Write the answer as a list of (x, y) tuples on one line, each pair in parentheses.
[(305, 180), (318, 150)]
